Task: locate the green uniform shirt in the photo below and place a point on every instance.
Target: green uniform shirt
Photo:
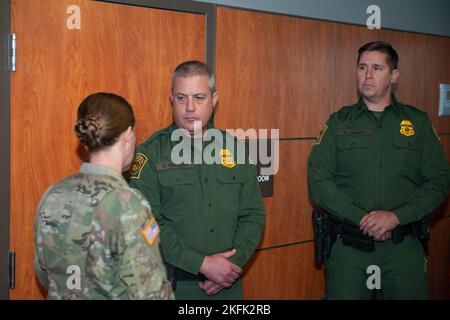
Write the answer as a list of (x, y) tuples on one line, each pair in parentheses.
[(360, 163), (90, 241), (202, 209)]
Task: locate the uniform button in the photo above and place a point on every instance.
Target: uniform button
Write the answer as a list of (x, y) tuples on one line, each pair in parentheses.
[(211, 230), (380, 126), (380, 145), (209, 204), (380, 186), (409, 144), (206, 180), (234, 177)]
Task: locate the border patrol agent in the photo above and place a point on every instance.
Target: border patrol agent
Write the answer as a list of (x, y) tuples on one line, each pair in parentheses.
[(96, 237), (378, 170), (211, 215)]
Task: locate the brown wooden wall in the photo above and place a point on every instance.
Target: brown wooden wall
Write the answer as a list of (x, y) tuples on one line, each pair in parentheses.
[(290, 73)]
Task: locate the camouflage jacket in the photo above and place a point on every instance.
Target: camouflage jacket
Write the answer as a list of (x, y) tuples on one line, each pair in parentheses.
[(96, 238)]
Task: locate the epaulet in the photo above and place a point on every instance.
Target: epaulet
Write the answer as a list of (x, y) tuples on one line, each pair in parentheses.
[(155, 135), (412, 109), (345, 110)]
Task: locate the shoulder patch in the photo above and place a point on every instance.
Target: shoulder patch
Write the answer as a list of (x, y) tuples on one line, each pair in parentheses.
[(140, 160), (319, 138), (150, 231)]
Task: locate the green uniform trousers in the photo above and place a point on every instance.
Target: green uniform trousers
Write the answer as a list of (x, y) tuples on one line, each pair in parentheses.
[(189, 290), (402, 269)]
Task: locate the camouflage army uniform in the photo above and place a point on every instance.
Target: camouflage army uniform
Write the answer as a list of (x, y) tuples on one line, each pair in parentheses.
[(94, 224)]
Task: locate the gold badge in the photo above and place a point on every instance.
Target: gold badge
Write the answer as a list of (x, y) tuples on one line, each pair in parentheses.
[(406, 128), (138, 164), (227, 158), (319, 138)]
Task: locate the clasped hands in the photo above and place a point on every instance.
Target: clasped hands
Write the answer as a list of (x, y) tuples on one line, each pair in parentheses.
[(221, 272), (379, 224)]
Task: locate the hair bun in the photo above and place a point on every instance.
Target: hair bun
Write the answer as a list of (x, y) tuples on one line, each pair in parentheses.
[(88, 130)]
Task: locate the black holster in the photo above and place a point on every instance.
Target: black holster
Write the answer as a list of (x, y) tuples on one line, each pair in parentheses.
[(171, 275), (421, 229), (175, 274), (352, 236), (324, 236)]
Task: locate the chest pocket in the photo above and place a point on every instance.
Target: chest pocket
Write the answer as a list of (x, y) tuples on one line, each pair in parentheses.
[(407, 154), (405, 144), (177, 177), (352, 142), (353, 154), (228, 176), (229, 183)]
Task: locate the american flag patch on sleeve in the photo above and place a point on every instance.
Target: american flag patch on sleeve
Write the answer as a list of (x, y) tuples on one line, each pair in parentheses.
[(150, 231)]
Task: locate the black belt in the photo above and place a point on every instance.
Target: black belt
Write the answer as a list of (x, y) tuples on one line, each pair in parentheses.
[(182, 275), (399, 232), (352, 236)]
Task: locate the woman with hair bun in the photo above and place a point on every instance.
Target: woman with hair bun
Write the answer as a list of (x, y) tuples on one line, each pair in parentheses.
[(95, 237)]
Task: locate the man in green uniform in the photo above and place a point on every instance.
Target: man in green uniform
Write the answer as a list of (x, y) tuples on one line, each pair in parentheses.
[(211, 215), (378, 169)]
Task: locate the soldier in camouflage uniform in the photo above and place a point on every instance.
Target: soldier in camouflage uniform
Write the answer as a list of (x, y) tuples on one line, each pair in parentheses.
[(96, 238)]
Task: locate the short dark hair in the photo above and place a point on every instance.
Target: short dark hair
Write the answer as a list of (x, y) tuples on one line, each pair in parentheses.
[(194, 68), (381, 46), (102, 118)]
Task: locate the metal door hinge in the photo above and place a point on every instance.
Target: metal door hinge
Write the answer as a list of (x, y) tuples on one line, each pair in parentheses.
[(12, 269), (12, 52)]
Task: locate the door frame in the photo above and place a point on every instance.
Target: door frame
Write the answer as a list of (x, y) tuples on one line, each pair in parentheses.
[(207, 9), (5, 143)]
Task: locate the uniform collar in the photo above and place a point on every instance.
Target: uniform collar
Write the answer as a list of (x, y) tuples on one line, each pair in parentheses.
[(361, 106), (98, 169)]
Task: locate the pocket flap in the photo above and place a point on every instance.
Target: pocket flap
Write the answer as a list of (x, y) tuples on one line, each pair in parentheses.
[(357, 142), (229, 176), (405, 143), (173, 177)]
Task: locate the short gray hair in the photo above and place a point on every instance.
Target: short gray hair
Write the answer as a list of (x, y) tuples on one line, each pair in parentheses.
[(194, 68)]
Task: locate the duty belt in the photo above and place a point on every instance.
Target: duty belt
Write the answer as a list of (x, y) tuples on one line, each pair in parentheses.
[(182, 275), (352, 236)]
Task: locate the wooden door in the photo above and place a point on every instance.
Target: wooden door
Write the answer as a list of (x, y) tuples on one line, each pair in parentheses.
[(123, 49)]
